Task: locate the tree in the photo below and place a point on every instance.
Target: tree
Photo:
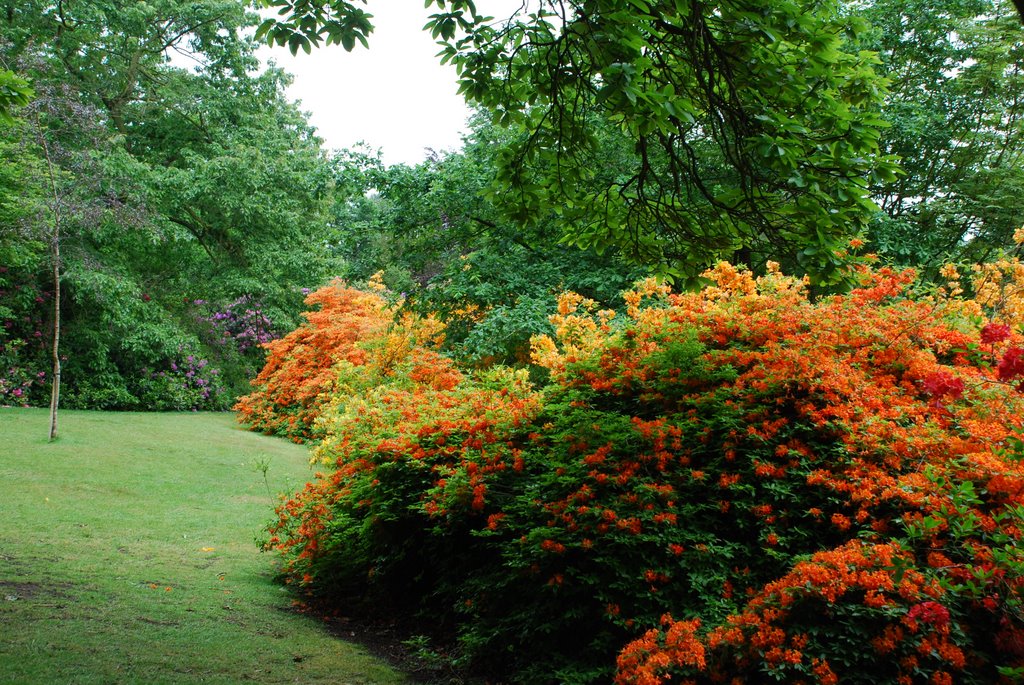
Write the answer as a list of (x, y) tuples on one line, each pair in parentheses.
[(210, 187), (55, 139), (113, 52), (68, 175), (442, 240), (237, 181), (55, 206), (754, 126), (955, 105)]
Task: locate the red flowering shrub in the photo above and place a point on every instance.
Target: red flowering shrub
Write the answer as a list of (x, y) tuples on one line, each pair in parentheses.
[(893, 493), (736, 485)]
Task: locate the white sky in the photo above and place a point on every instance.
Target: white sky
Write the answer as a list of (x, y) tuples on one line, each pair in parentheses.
[(395, 96)]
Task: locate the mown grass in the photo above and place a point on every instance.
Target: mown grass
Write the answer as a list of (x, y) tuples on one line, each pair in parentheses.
[(127, 555)]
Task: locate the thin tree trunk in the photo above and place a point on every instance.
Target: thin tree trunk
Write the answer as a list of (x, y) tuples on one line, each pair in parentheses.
[(55, 391), (55, 260)]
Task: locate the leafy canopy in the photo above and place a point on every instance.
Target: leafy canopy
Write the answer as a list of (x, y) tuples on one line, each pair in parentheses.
[(192, 199), (751, 124)]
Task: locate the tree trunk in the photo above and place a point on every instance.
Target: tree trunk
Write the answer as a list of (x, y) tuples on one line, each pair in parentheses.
[(55, 391), (55, 263)]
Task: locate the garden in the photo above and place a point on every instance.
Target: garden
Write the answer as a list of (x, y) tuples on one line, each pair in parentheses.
[(737, 484), (701, 361)]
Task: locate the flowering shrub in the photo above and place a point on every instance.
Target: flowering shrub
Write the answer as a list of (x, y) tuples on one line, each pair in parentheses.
[(998, 285), (24, 339), (735, 485), (872, 445), (301, 367), (427, 437), (233, 337), (242, 324), (188, 384), (19, 386)]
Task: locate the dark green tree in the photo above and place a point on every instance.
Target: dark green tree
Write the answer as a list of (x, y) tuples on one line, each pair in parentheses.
[(115, 52)]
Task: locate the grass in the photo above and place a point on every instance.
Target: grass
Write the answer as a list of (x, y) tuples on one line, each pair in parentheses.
[(128, 555)]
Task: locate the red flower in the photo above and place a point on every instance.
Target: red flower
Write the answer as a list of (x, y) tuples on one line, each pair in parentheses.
[(552, 546), (1012, 364), (929, 612), (995, 332), (942, 384)]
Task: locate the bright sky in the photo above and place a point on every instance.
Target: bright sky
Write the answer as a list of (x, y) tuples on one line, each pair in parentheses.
[(394, 96)]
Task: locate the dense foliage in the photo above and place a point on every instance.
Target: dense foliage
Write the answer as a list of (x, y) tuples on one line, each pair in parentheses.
[(751, 125), (175, 189), (680, 134), (953, 108), (701, 481), (175, 181), (440, 239)]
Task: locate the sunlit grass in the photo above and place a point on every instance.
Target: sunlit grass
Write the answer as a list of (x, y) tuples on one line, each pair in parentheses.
[(127, 555)]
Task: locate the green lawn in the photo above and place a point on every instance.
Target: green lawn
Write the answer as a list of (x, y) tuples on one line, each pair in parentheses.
[(128, 555)]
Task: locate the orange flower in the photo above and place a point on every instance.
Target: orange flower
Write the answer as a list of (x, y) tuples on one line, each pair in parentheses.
[(823, 672), (841, 522)]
